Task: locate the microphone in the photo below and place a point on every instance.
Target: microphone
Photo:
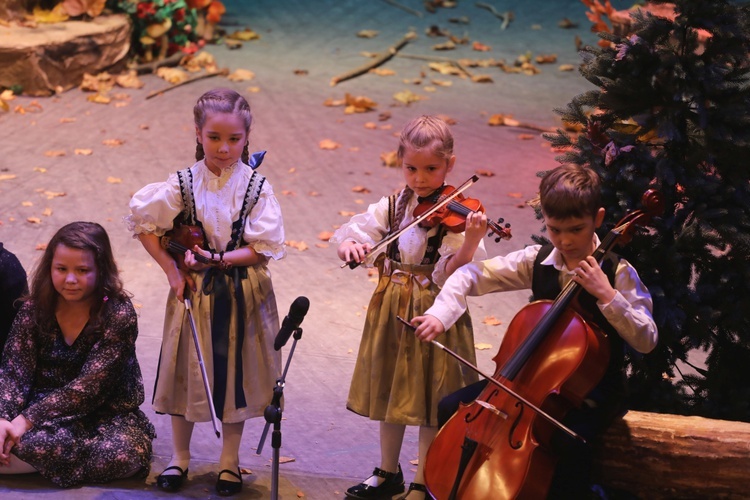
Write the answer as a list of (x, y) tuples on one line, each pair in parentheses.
[(297, 312)]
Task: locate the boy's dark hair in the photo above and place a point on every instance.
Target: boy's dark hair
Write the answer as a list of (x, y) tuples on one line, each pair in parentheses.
[(570, 191)]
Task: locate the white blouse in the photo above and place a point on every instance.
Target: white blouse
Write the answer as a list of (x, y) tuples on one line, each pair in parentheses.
[(372, 226), (218, 201), (629, 312)]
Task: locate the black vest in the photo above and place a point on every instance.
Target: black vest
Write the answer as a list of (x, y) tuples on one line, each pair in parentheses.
[(546, 286)]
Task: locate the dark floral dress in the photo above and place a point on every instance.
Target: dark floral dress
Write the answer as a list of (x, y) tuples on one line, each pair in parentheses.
[(83, 400)]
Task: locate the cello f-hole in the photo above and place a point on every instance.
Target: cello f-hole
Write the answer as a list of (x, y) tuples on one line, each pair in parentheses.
[(469, 418), (518, 444)]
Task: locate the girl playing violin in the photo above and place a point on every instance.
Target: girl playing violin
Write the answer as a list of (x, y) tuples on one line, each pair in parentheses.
[(397, 380), (616, 298), (232, 294)]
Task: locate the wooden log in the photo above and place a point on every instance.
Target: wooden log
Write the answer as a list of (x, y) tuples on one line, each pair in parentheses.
[(660, 456)]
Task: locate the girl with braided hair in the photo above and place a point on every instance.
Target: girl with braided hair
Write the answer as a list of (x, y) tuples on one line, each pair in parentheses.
[(236, 314), (397, 380)]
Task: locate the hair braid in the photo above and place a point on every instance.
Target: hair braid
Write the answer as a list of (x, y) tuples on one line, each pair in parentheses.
[(401, 204)]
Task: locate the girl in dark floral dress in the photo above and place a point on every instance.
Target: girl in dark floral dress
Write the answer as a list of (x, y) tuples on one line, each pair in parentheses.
[(70, 383)]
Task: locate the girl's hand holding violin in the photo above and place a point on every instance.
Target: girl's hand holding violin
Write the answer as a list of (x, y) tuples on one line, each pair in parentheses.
[(590, 276), (191, 262), (350, 251)]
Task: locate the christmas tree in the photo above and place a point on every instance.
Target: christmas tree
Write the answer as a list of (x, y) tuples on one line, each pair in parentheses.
[(672, 112)]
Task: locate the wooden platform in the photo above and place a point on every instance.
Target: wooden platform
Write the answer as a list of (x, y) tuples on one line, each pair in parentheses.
[(53, 57)]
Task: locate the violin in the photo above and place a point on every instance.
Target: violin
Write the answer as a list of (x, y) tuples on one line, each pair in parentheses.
[(183, 237), (551, 357), (453, 215)]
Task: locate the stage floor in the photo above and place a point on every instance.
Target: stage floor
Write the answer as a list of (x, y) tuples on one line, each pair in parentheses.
[(331, 447)]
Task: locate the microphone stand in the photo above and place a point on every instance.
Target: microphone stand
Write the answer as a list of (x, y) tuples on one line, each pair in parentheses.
[(272, 414)]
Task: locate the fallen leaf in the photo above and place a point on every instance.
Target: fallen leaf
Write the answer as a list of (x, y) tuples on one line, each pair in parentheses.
[(328, 144), (300, 494), (368, 33), (40, 169), (284, 460), (480, 47), (129, 80), (382, 71), (482, 347), (442, 83), (449, 45), (99, 99), (347, 213), (245, 471), (27, 204), (113, 142), (481, 79), (7, 177), (445, 68), (313, 193), (566, 67), (360, 189), (301, 72), (389, 158), (325, 235), (34, 220), (114, 180), (371, 126), (245, 35), (384, 116), (52, 153), (526, 137), (172, 75), (83, 152), (507, 120), (407, 97), (358, 104), (299, 245), (47, 212), (241, 75), (567, 24), (287, 192), (546, 58), (515, 195), (53, 194), (492, 321), (41, 246), (485, 173), (67, 120)]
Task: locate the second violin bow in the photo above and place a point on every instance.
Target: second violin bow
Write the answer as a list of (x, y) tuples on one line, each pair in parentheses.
[(206, 386)]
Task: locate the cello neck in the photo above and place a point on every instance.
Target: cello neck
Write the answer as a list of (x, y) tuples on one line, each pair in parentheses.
[(548, 321)]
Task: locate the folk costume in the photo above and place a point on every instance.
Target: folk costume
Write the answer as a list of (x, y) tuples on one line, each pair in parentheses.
[(397, 378), (83, 399), (235, 310)]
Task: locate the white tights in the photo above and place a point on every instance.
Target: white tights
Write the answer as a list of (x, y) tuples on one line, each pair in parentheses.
[(182, 432)]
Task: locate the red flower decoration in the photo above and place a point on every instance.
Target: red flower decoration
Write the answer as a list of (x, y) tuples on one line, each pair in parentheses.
[(146, 9)]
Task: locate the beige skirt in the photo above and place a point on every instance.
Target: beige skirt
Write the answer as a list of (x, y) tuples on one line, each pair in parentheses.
[(179, 388), (397, 378)]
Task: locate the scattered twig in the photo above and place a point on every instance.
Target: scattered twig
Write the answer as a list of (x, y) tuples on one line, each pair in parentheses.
[(152, 66), (382, 58), (404, 7), (506, 17), (439, 59), (222, 72)]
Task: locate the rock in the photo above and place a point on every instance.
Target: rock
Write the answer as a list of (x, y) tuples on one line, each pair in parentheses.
[(53, 57)]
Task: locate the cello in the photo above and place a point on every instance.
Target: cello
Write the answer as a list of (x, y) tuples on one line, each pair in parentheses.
[(499, 446)]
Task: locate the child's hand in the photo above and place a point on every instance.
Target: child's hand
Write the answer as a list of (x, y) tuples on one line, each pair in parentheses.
[(192, 263), (476, 226), (178, 279), (350, 251), (590, 276), (428, 327)]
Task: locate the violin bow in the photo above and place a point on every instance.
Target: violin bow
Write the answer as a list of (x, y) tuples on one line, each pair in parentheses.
[(510, 391), (384, 242), (206, 386)]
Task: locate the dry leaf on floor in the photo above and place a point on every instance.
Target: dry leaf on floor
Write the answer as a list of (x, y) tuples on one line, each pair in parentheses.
[(83, 152), (101, 82), (389, 158), (52, 153), (360, 189), (526, 137), (449, 45), (546, 58), (566, 24), (313, 193), (407, 97), (287, 192), (299, 245), (331, 102), (358, 104), (300, 494), (371, 126), (33, 107), (442, 83), (129, 80), (325, 235), (245, 35), (445, 68), (67, 120), (34, 220), (40, 169), (99, 99), (328, 144), (481, 79), (480, 47), (382, 71), (566, 67), (484, 172), (515, 195), (41, 246), (47, 212), (384, 116), (201, 60), (301, 72), (114, 180), (491, 321), (482, 347), (368, 33), (347, 213), (284, 460), (53, 194), (27, 204), (241, 75), (498, 120), (7, 177), (172, 75), (245, 471), (113, 142)]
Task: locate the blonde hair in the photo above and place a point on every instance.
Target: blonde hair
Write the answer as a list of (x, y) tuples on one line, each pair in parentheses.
[(222, 100), (420, 133)]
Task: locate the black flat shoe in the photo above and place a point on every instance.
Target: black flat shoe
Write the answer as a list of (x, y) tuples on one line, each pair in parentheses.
[(393, 484), (171, 482), (414, 487), (227, 488)]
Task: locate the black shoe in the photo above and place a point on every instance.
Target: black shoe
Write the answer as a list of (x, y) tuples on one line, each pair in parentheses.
[(394, 483), (171, 482), (227, 488), (414, 487)]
